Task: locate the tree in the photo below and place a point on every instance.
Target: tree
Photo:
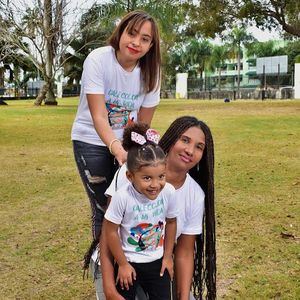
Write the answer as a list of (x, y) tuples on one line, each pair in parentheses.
[(263, 49), (272, 14), (218, 58), (37, 32), (95, 26), (215, 16), (237, 38), (197, 56)]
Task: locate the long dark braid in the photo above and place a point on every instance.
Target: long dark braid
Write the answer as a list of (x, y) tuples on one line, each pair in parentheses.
[(204, 279)]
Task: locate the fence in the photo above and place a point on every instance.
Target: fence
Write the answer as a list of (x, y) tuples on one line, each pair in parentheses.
[(29, 93), (251, 87)]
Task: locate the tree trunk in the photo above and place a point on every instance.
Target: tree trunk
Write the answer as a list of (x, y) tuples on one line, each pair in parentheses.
[(219, 79), (42, 94), (1, 77), (201, 79), (239, 72), (49, 55), (50, 97)]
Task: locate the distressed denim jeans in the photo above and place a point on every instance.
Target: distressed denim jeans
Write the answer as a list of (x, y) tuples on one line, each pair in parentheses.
[(96, 167)]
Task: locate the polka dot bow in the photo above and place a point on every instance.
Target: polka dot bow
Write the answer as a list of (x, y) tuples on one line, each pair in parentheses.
[(151, 135)]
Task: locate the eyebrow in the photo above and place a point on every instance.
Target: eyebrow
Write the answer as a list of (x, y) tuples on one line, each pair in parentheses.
[(185, 136), (145, 35)]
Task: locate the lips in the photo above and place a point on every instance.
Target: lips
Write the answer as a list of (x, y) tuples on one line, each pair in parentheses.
[(152, 192), (133, 51), (185, 159)]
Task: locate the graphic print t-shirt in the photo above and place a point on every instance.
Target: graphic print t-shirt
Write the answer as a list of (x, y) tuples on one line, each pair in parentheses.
[(142, 221), (102, 74), (189, 198)]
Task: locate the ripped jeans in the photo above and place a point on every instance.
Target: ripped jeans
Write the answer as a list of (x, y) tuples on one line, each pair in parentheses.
[(96, 167)]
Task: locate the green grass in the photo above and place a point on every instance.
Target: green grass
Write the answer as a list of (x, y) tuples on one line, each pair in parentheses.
[(45, 214)]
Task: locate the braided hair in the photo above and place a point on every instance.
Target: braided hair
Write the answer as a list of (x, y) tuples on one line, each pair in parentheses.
[(204, 279), (141, 155)]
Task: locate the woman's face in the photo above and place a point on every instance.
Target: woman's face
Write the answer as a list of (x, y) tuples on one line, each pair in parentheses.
[(188, 149), (134, 45)]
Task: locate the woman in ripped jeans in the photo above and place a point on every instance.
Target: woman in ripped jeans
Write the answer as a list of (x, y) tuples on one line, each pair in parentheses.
[(120, 83)]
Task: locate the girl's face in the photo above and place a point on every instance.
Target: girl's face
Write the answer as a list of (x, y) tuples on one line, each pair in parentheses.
[(188, 150), (149, 180), (134, 45)]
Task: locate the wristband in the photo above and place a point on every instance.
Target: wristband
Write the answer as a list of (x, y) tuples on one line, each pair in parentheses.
[(111, 143)]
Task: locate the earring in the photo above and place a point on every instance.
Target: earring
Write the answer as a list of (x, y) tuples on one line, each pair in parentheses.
[(198, 167)]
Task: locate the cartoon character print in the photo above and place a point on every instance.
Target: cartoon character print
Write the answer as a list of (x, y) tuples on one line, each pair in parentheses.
[(146, 236), (118, 116)]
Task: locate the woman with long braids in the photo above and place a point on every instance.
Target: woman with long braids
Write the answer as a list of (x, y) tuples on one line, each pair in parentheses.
[(188, 145)]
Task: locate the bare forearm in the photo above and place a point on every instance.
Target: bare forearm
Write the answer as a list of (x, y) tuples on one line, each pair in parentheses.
[(170, 234), (115, 248), (145, 114), (184, 265), (107, 267), (112, 240), (100, 119), (184, 269), (104, 130)]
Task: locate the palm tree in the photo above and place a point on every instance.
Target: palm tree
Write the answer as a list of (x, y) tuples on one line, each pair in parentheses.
[(197, 56), (237, 38), (263, 49), (219, 56)]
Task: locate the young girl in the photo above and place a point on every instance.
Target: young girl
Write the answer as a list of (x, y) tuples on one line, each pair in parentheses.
[(120, 84), (143, 214), (189, 148)]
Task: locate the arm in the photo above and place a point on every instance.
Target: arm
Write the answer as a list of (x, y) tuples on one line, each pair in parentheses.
[(145, 114), (184, 265), (100, 118), (170, 233), (126, 273), (106, 259)]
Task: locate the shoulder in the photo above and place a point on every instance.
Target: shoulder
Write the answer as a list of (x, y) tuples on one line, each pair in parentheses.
[(168, 188), (101, 53), (191, 192), (191, 184), (124, 190), (121, 196)]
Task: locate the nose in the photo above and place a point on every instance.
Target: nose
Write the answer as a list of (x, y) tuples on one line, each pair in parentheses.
[(189, 149), (154, 183), (136, 41)]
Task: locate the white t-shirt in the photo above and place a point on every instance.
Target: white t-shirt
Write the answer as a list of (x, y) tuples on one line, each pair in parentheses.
[(142, 221), (189, 198), (102, 74)]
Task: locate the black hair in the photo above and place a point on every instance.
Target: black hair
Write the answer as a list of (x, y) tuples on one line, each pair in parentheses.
[(204, 279), (141, 155), (138, 156)]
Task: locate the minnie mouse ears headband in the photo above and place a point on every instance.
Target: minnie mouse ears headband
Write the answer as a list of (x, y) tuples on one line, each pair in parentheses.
[(151, 136)]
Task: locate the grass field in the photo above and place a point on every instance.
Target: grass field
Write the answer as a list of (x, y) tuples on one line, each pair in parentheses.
[(44, 212)]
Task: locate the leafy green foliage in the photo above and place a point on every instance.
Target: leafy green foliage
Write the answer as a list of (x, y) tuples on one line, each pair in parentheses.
[(213, 17)]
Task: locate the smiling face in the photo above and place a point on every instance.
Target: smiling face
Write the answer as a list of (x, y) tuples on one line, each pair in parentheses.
[(149, 180), (188, 150), (135, 44)]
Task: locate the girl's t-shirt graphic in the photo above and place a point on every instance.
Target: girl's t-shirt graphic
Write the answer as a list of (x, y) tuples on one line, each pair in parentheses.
[(142, 221), (147, 236), (119, 117)]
